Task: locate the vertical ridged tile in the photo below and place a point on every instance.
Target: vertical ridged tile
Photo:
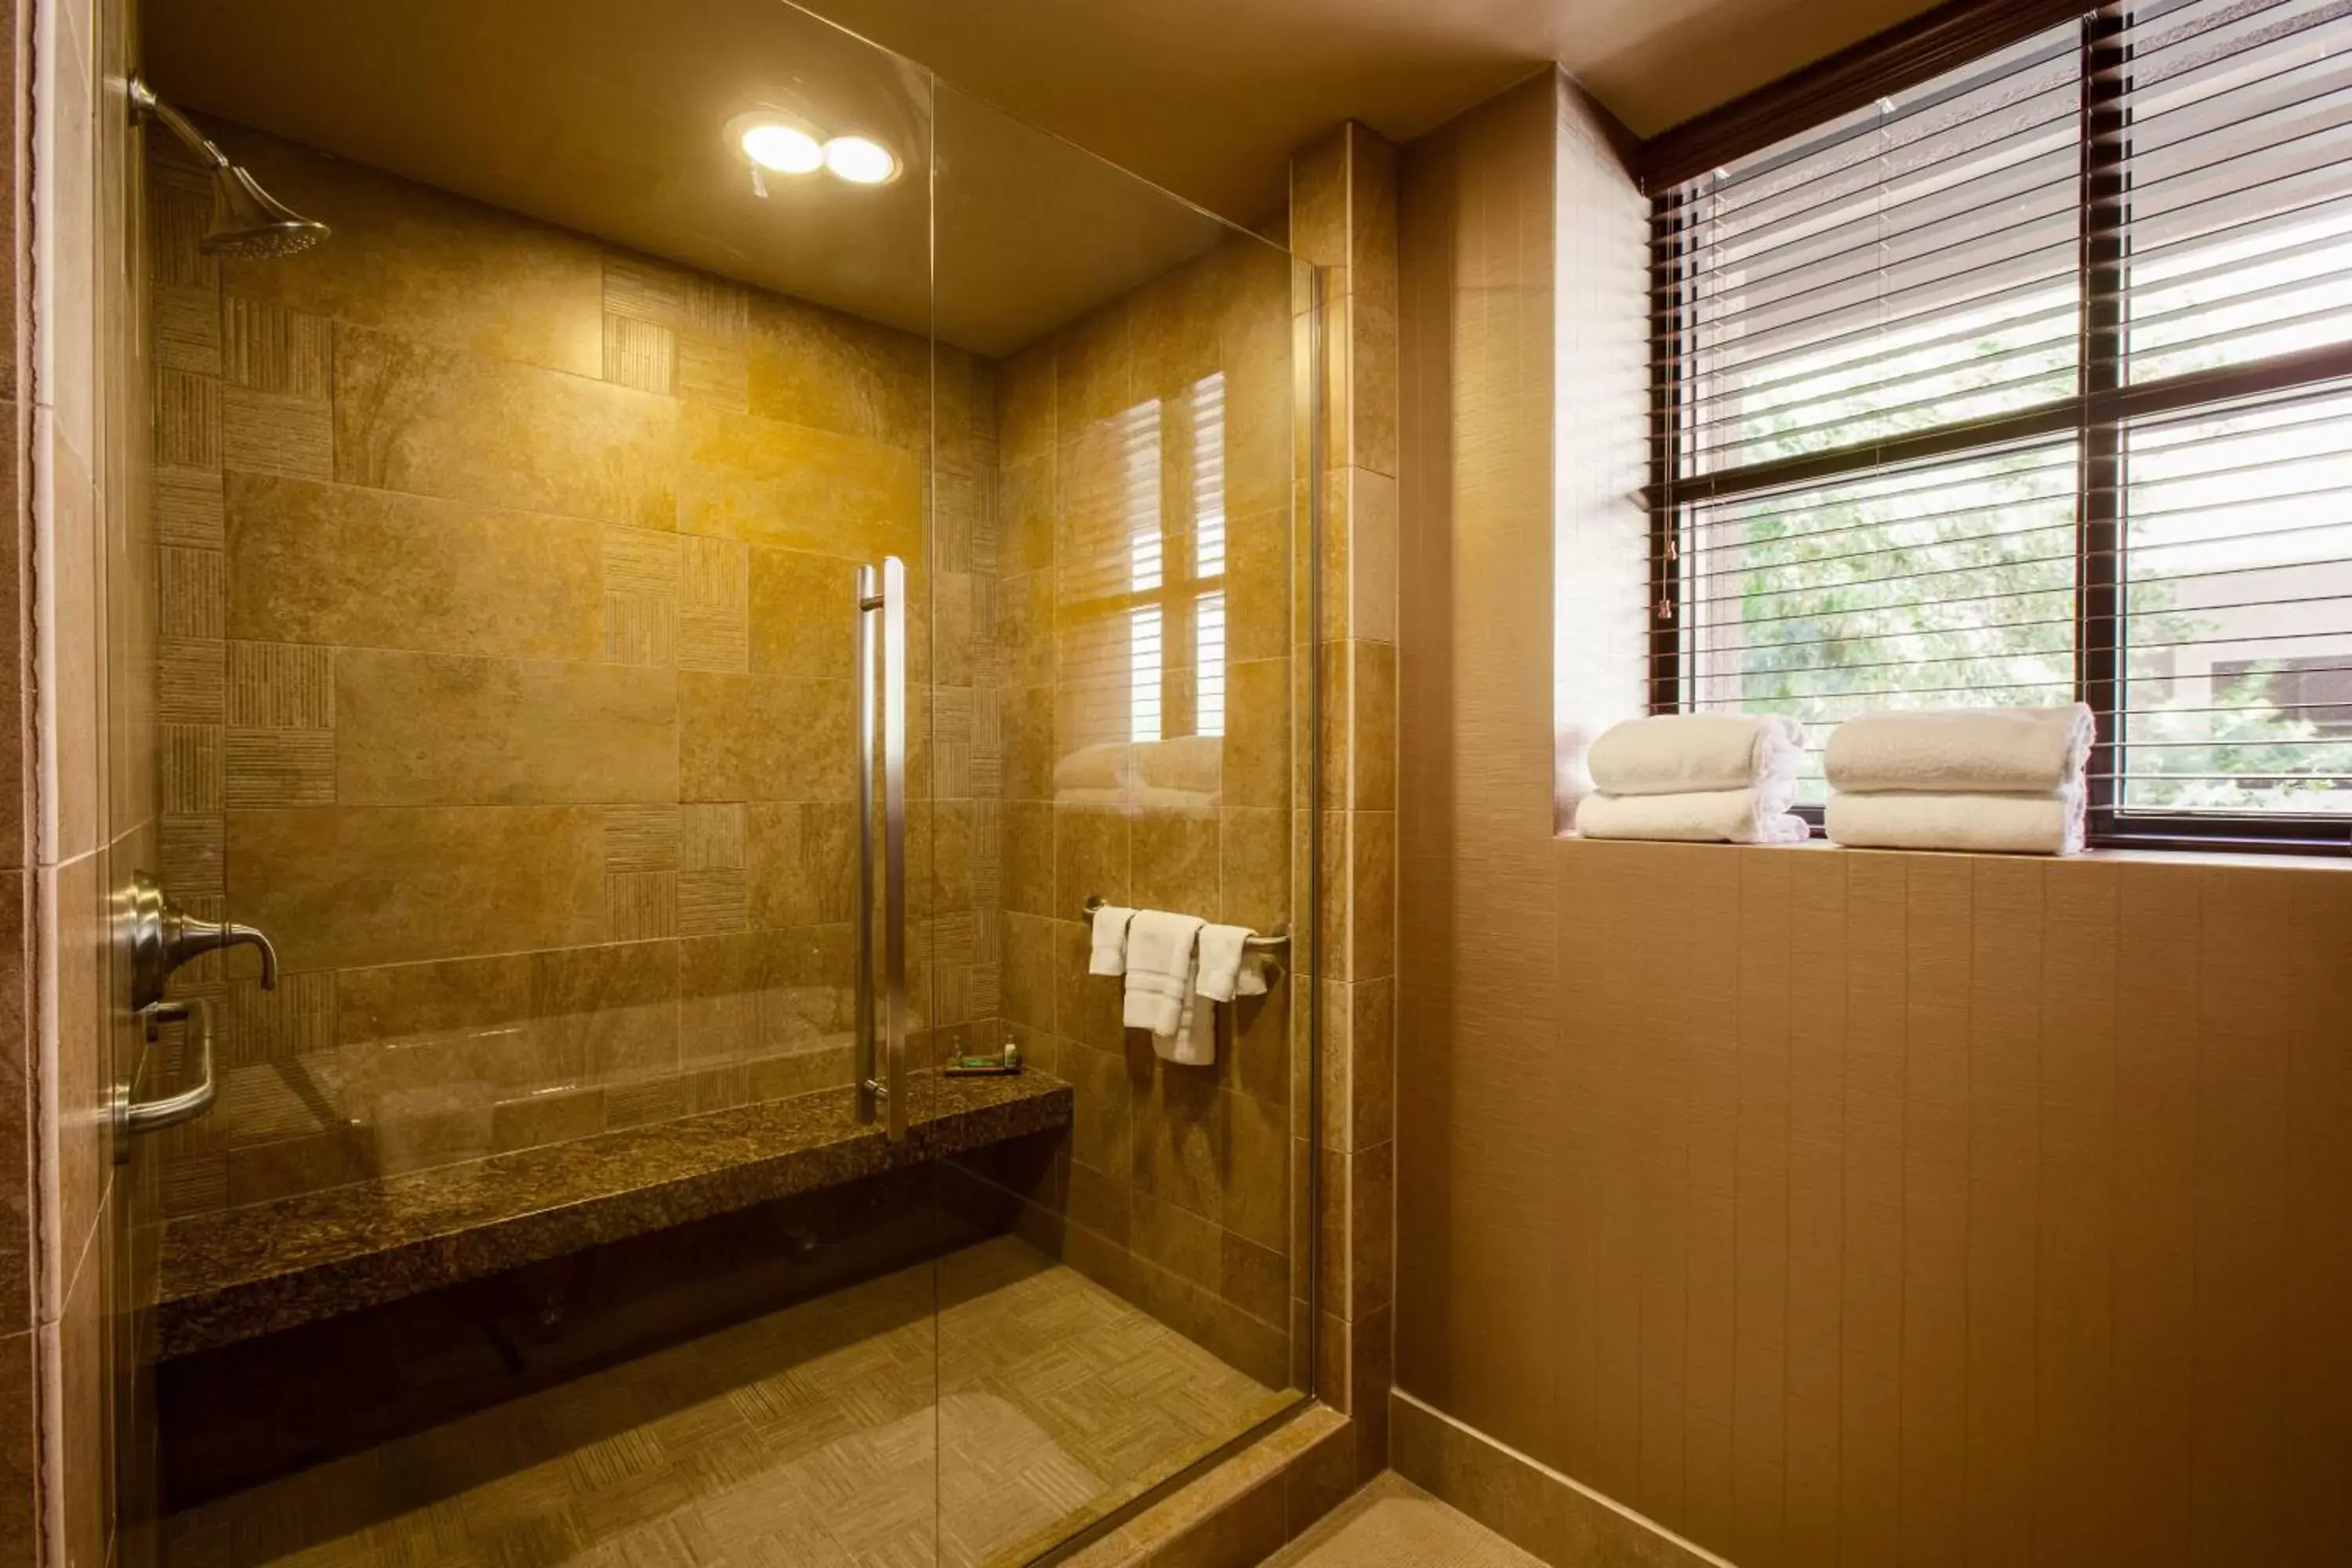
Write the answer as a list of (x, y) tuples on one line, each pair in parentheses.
[(638, 354), (269, 348)]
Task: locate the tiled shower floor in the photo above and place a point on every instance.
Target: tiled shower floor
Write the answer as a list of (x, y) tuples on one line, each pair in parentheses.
[(861, 1428)]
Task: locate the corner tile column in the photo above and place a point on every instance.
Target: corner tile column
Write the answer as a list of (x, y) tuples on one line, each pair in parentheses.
[(1343, 221)]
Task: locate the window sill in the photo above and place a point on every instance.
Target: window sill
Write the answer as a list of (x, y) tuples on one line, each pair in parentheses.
[(2270, 860)]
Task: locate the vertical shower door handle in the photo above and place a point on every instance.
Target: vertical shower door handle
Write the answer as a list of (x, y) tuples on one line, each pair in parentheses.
[(880, 650)]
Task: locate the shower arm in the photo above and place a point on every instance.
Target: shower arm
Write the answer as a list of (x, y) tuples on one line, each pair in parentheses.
[(145, 102)]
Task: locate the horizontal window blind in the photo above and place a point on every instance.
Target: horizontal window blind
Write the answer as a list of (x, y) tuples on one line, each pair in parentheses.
[(2029, 383)]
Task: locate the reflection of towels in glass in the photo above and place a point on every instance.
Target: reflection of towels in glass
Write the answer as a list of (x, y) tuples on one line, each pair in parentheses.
[(1182, 775)]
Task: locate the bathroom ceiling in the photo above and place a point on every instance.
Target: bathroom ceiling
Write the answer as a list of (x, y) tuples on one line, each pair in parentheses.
[(1208, 97), (609, 117)]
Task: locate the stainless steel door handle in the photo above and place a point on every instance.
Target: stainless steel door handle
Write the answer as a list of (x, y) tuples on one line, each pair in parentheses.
[(880, 650), (135, 1116), (162, 937)]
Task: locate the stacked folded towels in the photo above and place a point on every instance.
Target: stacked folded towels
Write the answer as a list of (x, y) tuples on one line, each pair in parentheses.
[(1713, 778), (1177, 969), (1986, 779)]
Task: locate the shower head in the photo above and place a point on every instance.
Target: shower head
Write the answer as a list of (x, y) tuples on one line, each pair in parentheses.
[(252, 224), (247, 222)]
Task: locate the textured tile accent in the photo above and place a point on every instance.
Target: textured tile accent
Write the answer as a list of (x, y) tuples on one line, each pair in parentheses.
[(642, 837), (271, 433), (194, 587), (280, 686), (177, 219), (714, 626), (193, 855), (187, 419), (188, 507), (281, 767), (710, 838), (643, 290), (190, 683), (713, 901), (640, 905), (639, 630), (638, 354), (187, 329), (712, 371), (271, 349), (192, 768)]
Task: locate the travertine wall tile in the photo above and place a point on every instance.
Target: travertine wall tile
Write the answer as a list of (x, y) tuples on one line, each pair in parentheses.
[(792, 487), (435, 421), (339, 565)]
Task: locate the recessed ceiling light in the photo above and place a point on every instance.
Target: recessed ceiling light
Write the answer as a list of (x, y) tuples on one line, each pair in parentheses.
[(859, 161), (783, 148)]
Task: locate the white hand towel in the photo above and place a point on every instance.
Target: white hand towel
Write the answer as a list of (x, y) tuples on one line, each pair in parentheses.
[(1706, 816), (1194, 1043), (1222, 951), (1962, 751), (1159, 966), (1680, 753), (2003, 823), (1109, 948)]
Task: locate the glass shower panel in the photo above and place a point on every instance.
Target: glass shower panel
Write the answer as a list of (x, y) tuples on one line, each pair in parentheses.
[(509, 544), (1129, 1307)]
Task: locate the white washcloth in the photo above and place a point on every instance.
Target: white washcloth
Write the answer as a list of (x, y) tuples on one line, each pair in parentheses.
[(1109, 950), (1962, 751), (1160, 967), (2005, 823), (1681, 753), (1757, 816)]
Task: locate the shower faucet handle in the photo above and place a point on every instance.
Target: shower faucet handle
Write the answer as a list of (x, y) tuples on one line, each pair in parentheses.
[(162, 937)]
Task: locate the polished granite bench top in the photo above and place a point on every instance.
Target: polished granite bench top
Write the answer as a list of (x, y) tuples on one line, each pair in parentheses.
[(239, 1273)]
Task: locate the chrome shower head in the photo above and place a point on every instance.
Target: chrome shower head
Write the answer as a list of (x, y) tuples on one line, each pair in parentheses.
[(247, 222), (252, 224)]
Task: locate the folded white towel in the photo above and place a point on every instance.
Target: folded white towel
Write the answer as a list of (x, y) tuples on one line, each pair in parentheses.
[(1109, 954), (1161, 949), (1680, 753), (1757, 816), (1962, 751), (2004, 824)]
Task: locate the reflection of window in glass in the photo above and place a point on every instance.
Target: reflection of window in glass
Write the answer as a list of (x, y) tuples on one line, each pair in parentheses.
[(1209, 554), (1142, 581)]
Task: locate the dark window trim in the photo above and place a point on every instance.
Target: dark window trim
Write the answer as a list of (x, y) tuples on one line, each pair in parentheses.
[(1942, 40), (1908, 53)]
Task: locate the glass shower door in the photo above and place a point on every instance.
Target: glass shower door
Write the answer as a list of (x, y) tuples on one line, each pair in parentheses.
[(1125, 1306)]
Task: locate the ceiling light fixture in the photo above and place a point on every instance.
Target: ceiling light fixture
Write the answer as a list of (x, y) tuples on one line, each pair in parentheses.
[(859, 161), (784, 149)]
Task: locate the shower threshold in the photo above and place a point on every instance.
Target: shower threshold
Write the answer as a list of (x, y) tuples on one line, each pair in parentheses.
[(241, 1273)]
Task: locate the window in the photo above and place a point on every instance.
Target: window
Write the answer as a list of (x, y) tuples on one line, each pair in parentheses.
[(2030, 383)]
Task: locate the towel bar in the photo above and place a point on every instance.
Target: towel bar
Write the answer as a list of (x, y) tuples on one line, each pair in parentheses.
[(1274, 940)]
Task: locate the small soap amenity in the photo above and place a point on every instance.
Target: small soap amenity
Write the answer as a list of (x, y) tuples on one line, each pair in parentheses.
[(1992, 780), (1706, 778)]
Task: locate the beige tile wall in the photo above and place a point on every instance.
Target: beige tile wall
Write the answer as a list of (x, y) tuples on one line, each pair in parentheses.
[(505, 585), (1159, 423), (79, 800), (1344, 220)]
